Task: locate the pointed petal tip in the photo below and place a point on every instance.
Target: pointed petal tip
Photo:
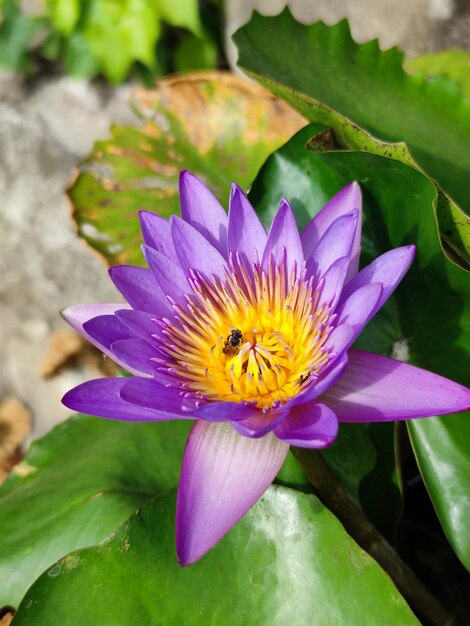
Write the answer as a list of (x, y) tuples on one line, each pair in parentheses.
[(285, 204), (182, 560), (148, 216), (411, 249), (236, 192), (354, 189), (65, 400), (185, 175), (112, 270), (75, 314), (185, 553), (66, 313), (235, 188), (353, 215)]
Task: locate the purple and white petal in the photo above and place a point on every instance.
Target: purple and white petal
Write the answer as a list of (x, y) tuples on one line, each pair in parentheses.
[(194, 251), (311, 425), (245, 231), (260, 424), (222, 476), (375, 388), (140, 289), (388, 270), (201, 209), (101, 397), (77, 314), (284, 234), (345, 201), (336, 243), (156, 232)]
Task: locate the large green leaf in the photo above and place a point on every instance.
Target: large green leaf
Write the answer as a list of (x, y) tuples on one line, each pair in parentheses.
[(442, 449), (455, 64), (288, 561), (332, 80), (216, 125), (75, 486), (428, 319)]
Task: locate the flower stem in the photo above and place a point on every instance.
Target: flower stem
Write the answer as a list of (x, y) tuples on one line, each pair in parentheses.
[(335, 496)]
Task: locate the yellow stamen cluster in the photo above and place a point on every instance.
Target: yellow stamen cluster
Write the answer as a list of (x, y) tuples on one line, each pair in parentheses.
[(283, 335)]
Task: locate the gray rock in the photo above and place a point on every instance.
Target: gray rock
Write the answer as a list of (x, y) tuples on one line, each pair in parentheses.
[(43, 265)]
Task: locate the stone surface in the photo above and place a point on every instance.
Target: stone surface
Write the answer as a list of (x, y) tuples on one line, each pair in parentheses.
[(416, 26), (46, 130)]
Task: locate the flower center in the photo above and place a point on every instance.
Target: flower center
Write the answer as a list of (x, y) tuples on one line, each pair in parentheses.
[(258, 336)]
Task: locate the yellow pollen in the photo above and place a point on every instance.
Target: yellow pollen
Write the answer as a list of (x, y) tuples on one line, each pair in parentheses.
[(282, 344)]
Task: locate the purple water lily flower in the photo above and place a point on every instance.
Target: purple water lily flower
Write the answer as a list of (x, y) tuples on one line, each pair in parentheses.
[(250, 334)]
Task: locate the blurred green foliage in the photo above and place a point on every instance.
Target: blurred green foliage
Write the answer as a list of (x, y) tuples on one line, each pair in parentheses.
[(109, 37)]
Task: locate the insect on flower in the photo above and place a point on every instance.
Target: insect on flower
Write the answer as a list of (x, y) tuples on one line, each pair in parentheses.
[(233, 343), (285, 375)]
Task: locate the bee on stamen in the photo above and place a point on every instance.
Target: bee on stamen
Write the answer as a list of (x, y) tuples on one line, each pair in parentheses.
[(234, 340), (303, 378)]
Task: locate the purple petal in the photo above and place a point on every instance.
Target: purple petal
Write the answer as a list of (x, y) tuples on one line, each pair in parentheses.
[(141, 324), (151, 394), (101, 397), (201, 209), (78, 314), (245, 231), (388, 269), (336, 243), (361, 305), (140, 289), (103, 331), (311, 425), (194, 251), (259, 424), (342, 203), (136, 355), (375, 388), (284, 234), (156, 232), (223, 411), (340, 339), (168, 274), (332, 283), (222, 476)]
